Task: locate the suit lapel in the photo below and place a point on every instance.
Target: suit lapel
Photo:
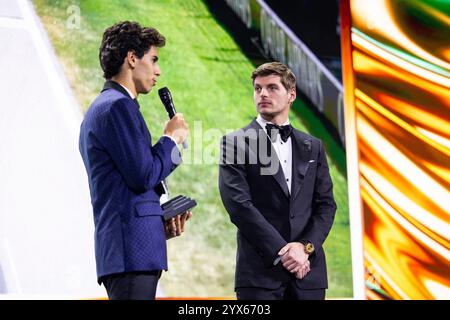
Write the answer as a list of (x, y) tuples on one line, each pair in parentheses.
[(270, 154), (109, 84), (301, 152)]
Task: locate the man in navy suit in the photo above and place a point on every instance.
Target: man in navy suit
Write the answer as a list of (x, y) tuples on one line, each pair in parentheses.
[(125, 170), (275, 184)]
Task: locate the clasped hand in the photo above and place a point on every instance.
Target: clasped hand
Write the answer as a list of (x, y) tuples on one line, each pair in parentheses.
[(294, 259)]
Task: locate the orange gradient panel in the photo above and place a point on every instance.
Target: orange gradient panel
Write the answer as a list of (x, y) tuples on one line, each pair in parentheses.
[(401, 100)]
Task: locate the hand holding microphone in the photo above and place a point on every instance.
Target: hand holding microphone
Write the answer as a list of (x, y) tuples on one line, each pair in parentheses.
[(176, 127)]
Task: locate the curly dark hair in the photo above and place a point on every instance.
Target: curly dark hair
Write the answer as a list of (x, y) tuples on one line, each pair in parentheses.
[(123, 37)]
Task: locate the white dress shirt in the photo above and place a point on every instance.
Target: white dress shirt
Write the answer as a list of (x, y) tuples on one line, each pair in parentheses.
[(283, 150)]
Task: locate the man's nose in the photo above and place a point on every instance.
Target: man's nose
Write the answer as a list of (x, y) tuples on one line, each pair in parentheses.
[(157, 71), (263, 92)]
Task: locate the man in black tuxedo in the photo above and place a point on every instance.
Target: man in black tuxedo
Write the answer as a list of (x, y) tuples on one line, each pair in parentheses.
[(275, 184)]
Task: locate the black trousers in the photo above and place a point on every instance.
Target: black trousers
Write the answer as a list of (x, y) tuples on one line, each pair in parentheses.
[(132, 285), (288, 291)]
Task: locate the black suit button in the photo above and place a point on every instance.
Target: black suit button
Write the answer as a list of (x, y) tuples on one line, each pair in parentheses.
[(292, 216)]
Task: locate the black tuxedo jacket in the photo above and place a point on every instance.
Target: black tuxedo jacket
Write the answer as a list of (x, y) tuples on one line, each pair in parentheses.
[(255, 194)]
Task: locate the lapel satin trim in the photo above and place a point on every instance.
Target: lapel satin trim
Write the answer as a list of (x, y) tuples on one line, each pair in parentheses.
[(279, 175), (301, 153)]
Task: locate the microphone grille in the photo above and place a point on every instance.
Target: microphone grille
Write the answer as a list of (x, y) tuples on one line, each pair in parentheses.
[(164, 94)]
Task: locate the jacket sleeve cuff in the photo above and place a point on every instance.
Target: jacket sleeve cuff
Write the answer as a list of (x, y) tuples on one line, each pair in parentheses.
[(171, 138)]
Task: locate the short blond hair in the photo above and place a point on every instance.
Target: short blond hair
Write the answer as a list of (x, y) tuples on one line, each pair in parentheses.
[(287, 77)]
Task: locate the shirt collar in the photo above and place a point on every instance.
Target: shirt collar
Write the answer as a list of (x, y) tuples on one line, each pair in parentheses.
[(263, 122), (128, 91)]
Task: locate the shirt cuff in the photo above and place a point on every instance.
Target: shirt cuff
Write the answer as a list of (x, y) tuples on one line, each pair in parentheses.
[(277, 260)]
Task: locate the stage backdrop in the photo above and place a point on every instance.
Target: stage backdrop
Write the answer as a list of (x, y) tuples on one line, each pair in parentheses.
[(397, 112)]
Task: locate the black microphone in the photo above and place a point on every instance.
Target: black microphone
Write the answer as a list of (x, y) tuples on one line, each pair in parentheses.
[(166, 99)]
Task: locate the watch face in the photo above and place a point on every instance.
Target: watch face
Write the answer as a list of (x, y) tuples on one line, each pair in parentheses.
[(309, 248)]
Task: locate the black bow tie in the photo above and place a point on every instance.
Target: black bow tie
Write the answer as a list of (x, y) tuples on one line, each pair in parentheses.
[(284, 131)]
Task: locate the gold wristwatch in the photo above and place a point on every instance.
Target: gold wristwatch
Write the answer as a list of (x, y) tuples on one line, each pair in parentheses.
[(309, 247)]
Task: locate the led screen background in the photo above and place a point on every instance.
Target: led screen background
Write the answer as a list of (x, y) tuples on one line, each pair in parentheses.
[(397, 80)]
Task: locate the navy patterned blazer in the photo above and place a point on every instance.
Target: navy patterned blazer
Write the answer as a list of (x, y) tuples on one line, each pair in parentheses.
[(124, 172)]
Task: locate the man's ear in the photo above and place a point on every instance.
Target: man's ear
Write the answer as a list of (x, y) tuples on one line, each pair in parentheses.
[(292, 94), (131, 59)]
